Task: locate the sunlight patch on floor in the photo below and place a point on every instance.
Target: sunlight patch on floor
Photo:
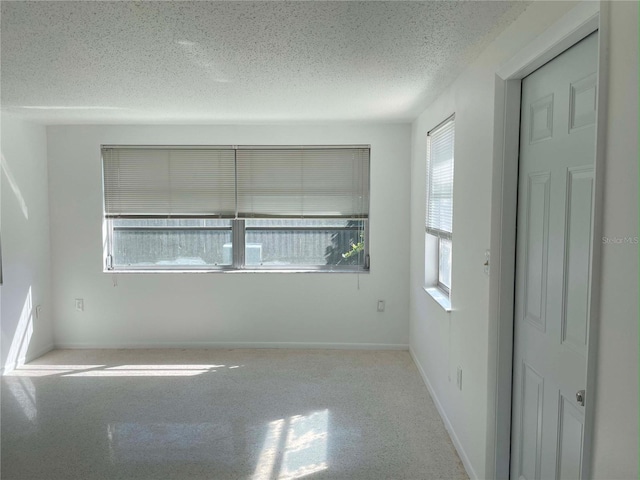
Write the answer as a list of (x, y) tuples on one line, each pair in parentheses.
[(158, 370), (24, 392), (304, 451), (35, 370), (306, 447), (269, 452)]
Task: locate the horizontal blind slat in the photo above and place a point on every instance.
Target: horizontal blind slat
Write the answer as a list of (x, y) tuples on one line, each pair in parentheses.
[(440, 158), (169, 182), (292, 182), (303, 182)]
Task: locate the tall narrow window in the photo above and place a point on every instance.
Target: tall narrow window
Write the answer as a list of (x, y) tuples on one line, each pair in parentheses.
[(439, 220), (236, 208)]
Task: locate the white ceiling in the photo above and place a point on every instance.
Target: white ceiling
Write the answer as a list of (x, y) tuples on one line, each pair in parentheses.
[(237, 62)]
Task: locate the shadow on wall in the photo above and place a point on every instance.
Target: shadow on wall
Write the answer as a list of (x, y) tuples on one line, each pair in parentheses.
[(4, 165)]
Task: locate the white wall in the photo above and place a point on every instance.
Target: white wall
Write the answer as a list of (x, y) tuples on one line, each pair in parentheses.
[(616, 422), (25, 243), (441, 342), (225, 309)]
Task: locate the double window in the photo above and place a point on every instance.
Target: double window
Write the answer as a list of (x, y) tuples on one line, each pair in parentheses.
[(236, 208), (439, 208)]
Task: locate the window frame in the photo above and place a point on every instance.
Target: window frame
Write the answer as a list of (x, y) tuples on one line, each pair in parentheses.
[(308, 268), (109, 266), (441, 285), (438, 234), (238, 235), (238, 231)]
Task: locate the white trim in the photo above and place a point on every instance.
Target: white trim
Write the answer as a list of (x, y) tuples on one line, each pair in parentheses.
[(9, 367), (596, 243), (582, 20), (575, 25), (454, 438), (228, 345), (501, 280), (440, 297)]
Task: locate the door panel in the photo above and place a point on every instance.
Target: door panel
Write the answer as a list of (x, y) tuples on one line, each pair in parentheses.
[(535, 289), (555, 193), (570, 435), (531, 424), (576, 267)]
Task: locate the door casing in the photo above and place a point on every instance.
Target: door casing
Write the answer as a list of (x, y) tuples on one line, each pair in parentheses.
[(582, 20)]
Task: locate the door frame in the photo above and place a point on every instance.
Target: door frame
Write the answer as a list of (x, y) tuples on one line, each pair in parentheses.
[(582, 20)]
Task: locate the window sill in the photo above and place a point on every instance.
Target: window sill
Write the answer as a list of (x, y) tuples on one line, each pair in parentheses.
[(440, 297), (228, 271)]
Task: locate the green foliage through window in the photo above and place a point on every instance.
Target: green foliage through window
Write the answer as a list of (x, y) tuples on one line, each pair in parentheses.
[(347, 246)]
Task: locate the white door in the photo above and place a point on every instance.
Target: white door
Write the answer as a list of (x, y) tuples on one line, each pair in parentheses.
[(555, 190)]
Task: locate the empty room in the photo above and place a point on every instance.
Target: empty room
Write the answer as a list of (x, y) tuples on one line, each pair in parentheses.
[(319, 239)]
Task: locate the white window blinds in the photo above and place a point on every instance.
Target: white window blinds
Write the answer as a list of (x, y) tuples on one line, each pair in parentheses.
[(241, 182), (303, 182), (169, 182), (440, 141)]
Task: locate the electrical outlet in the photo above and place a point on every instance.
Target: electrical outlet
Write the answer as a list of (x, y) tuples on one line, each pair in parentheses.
[(459, 378), (38, 311), (381, 305), (79, 305)]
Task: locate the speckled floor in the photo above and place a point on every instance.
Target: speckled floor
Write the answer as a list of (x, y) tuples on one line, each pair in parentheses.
[(222, 414)]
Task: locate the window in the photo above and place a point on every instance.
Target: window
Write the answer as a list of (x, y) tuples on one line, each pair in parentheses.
[(236, 208), (439, 208)]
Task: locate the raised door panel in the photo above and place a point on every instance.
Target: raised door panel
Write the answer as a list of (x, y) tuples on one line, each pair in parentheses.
[(537, 240), (577, 258), (530, 450), (570, 440)]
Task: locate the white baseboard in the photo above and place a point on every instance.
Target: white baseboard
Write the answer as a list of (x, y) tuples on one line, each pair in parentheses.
[(454, 438), (9, 367), (38, 353), (237, 345), (28, 358), (220, 345)]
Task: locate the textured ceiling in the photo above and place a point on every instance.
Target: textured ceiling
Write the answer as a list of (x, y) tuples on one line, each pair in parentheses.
[(237, 62)]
